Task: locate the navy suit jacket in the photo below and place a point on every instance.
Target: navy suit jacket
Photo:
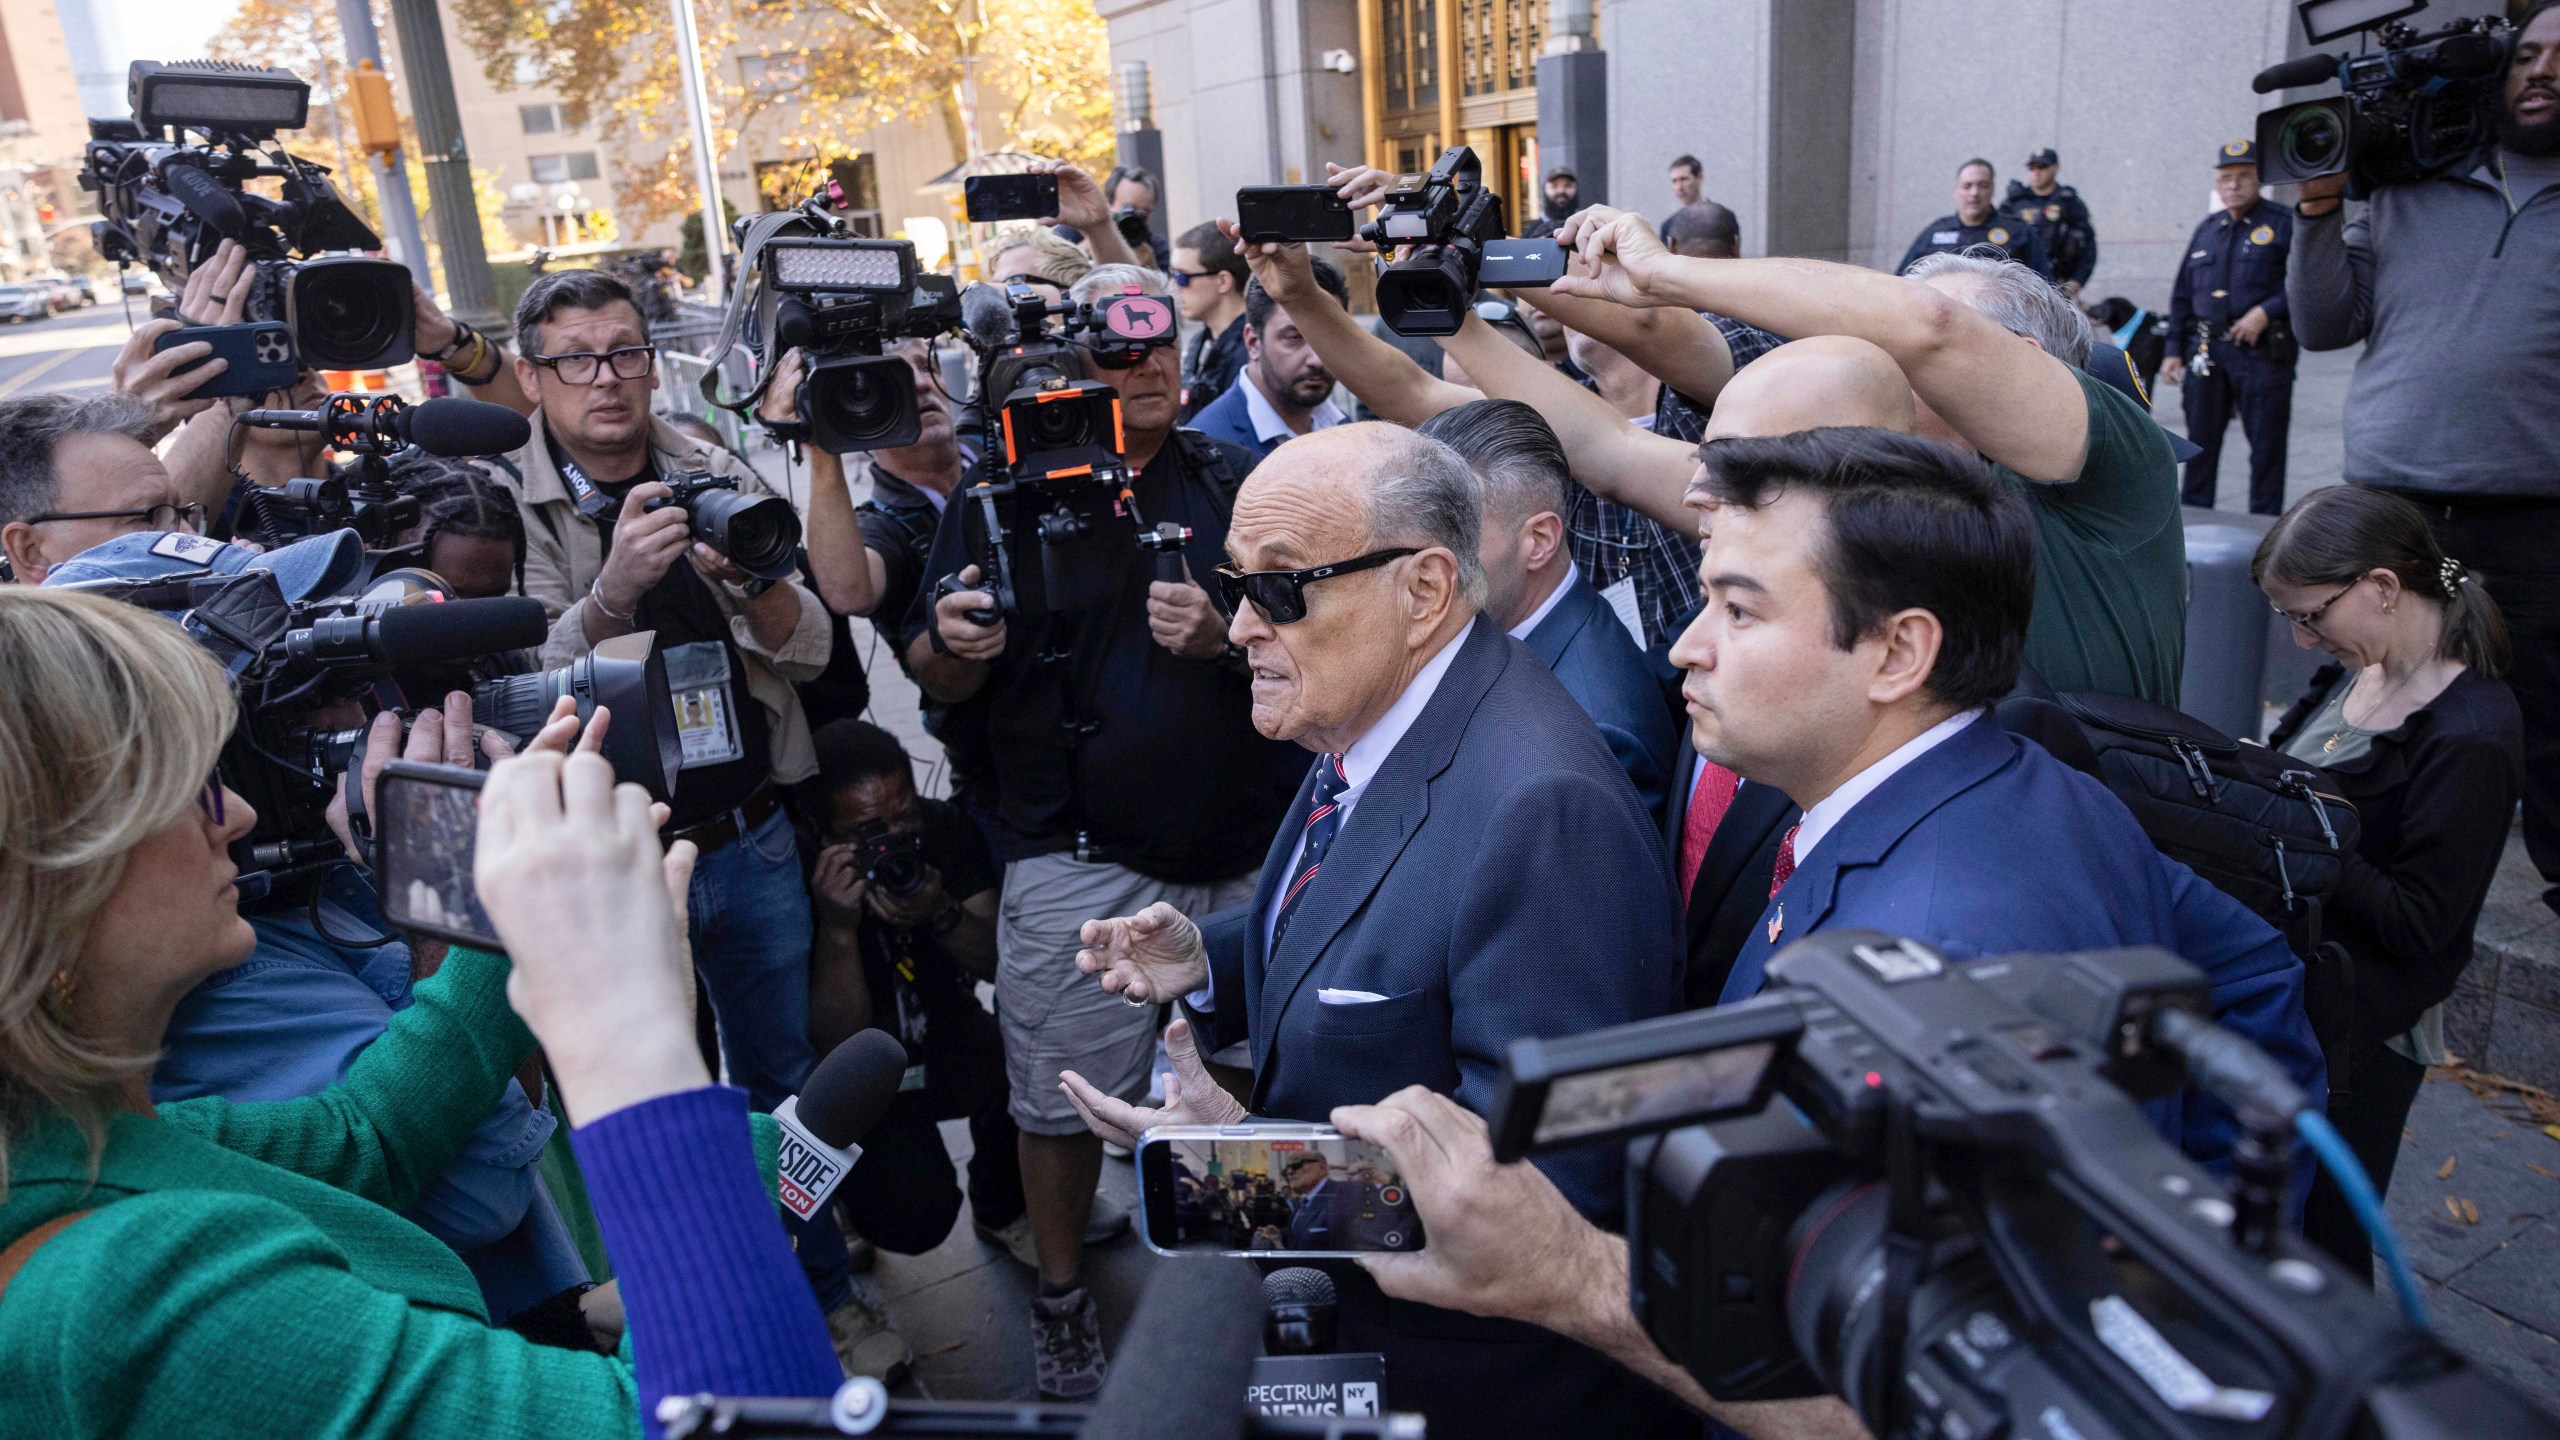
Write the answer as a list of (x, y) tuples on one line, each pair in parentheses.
[(1498, 878), (1987, 844), (1226, 418), (1598, 664)]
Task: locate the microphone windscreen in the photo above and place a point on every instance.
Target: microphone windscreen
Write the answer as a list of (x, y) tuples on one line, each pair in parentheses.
[(2308, 70), (850, 1090), (986, 315), (1298, 1285), (454, 426), (460, 629), (1187, 1356), (205, 198)]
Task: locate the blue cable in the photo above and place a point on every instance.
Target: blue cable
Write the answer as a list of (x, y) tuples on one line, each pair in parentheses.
[(2331, 1147)]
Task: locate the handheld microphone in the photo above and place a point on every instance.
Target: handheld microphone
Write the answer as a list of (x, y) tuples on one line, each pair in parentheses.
[(205, 199), (1203, 1310), (2309, 70), (448, 426), (422, 634), (1299, 1310), (823, 1125), (987, 316)]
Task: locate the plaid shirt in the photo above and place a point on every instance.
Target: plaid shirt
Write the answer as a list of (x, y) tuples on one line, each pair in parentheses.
[(1613, 543)]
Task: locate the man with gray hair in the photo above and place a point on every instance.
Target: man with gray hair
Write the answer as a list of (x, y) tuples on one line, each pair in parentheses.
[(1465, 865), (1995, 355), (79, 472)]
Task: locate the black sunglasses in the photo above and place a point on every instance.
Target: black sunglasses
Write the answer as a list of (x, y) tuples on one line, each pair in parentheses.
[(1281, 595)]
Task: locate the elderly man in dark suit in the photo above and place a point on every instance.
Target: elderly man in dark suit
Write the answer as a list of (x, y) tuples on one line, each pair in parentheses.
[(1466, 865)]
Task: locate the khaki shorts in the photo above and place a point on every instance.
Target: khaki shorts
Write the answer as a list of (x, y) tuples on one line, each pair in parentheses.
[(1055, 1016)]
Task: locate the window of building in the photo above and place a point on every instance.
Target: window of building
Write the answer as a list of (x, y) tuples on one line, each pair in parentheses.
[(775, 74), (541, 119), (1498, 44), (552, 169)]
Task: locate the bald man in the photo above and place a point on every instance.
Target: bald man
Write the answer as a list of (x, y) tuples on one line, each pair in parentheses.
[(1466, 865)]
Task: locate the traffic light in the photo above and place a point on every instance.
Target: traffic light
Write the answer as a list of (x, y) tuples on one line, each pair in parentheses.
[(377, 123)]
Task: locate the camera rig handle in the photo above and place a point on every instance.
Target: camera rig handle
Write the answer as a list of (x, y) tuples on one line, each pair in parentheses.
[(1165, 542)]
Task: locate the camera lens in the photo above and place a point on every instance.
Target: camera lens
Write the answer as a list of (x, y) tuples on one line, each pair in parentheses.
[(760, 533), (351, 313), (1056, 425), (627, 676), (861, 402), (2313, 141), (899, 873), (1426, 292)]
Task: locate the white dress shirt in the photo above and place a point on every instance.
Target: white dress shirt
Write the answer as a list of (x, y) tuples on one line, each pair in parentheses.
[(1546, 607), (1267, 424), (1827, 812)]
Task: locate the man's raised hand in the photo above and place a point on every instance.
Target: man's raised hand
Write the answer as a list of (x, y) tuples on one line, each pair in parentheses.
[(1146, 958)]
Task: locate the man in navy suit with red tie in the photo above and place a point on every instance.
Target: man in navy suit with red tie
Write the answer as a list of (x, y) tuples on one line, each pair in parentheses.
[(1466, 865)]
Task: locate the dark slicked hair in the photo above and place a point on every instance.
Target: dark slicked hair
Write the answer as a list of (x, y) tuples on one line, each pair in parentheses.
[(1912, 525), (1513, 451), (1258, 303), (1218, 254), (556, 290), (853, 751)]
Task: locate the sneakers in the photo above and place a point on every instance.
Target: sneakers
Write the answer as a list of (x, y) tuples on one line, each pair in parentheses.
[(866, 1345), (1016, 1240), (1066, 1345)]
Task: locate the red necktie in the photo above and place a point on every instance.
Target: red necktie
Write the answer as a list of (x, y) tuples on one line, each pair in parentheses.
[(1707, 804), (1786, 865)]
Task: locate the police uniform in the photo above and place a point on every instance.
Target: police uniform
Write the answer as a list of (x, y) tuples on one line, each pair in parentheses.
[(2060, 221), (2232, 265), (1949, 233)]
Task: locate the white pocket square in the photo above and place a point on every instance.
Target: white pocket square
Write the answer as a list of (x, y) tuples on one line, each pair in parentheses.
[(1347, 997)]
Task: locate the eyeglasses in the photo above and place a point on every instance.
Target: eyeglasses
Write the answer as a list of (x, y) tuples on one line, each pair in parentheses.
[(2309, 622), (188, 517), (210, 802), (1281, 595), (1124, 354), (585, 367)]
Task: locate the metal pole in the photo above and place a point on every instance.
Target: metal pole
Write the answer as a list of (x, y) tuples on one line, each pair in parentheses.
[(390, 176), (706, 161), (470, 291)]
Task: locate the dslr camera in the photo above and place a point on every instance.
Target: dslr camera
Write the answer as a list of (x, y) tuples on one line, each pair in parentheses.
[(891, 859), (839, 298), (2422, 102), (1455, 242), (1053, 507), (1925, 1186), (759, 533), (168, 202)]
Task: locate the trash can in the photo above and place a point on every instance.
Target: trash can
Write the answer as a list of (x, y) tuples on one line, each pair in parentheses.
[(2224, 681)]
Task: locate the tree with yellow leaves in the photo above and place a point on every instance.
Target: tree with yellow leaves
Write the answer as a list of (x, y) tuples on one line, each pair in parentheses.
[(995, 74)]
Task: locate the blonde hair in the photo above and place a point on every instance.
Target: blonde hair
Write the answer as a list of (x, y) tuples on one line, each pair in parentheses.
[(1058, 261), (111, 719)]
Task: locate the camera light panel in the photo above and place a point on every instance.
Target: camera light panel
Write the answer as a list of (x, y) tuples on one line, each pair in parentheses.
[(838, 266), (211, 95)]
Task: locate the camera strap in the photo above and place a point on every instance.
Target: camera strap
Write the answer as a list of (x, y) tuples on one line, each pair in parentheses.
[(733, 321)]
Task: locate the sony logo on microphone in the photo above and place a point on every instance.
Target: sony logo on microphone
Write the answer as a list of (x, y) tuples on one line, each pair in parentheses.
[(808, 1168)]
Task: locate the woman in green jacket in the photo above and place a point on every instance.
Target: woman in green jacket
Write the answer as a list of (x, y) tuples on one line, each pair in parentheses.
[(205, 1268)]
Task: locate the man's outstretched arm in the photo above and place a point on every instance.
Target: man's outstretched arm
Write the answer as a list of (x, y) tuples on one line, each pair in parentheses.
[(1385, 378), (1645, 472)]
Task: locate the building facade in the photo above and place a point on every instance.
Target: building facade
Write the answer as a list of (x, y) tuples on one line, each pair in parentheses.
[(1833, 128)]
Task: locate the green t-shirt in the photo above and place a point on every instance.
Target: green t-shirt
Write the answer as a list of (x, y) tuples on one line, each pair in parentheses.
[(2111, 559)]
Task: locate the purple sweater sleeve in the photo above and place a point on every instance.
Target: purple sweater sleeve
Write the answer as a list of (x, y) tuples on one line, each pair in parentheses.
[(716, 1300)]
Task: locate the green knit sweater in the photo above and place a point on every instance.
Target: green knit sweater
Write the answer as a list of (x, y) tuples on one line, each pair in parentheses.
[(246, 1272)]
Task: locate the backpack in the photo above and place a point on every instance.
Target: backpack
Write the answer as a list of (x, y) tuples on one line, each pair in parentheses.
[(2264, 828)]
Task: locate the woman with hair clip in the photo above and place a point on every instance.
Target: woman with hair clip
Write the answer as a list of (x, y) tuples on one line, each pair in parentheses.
[(206, 1268), (2416, 727)]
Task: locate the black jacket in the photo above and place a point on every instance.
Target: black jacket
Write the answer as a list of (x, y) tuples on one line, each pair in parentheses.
[(1732, 886), (2433, 799)]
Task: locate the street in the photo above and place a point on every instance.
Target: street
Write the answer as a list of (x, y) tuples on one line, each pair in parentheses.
[(72, 351)]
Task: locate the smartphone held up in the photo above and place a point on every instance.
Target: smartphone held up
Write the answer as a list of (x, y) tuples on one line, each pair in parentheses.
[(1271, 1191)]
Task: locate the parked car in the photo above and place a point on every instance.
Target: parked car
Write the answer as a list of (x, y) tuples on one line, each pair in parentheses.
[(25, 302), (78, 293)]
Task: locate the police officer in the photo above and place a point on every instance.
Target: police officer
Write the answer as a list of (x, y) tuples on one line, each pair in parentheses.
[(2231, 346), (2059, 219), (1977, 222)]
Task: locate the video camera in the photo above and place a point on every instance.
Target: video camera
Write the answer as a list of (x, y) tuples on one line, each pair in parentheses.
[(840, 298), (1961, 1222), (1054, 500), (359, 494), (1459, 244), (168, 203), (2422, 103)]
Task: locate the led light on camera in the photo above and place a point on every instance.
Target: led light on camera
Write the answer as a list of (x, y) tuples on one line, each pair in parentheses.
[(829, 267)]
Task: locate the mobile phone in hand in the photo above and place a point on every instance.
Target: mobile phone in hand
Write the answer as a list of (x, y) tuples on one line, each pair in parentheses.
[(426, 827), (1270, 1190), (1010, 197), (1268, 214), (260, 354)]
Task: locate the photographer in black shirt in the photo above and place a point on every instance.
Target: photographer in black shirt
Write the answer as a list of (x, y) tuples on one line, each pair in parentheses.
[(1128, 772)]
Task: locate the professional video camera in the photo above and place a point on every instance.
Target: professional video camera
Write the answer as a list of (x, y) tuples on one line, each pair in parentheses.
[(2422, 103), (1053, 500), (1962, 1223), (839, 298), (312, 674), (1454, 227), (169, 203), (358, 494)]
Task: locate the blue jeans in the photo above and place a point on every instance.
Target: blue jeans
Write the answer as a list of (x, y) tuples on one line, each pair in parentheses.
[(751, 935)]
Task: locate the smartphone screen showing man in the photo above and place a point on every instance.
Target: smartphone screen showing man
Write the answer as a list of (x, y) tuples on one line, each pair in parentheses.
[(1311, 1192), (429, 822)]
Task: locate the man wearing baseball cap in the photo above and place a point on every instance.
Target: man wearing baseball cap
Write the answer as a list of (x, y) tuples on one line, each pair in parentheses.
[(2055, 212), (2231, 345)]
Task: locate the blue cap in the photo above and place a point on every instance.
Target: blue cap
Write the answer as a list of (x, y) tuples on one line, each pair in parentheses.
[(2044, 156), (309, 569), (2236, 152), (2116, 368)]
